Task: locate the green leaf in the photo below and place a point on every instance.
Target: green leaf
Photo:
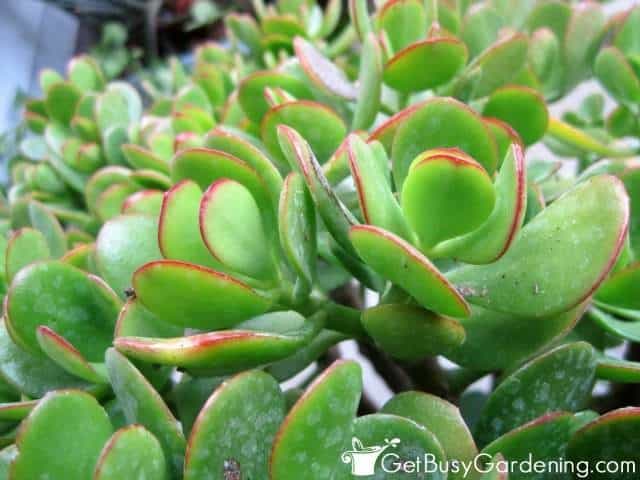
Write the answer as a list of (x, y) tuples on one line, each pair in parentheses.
[(244, 414), (61, 100), (404, 22), (251, 91), (101, 181), (140, 158), (322, 72), (25, 246), (378, 204), (521, 107), (136, 321), (74, 426), (561, 379), (336, 217), (369, 84), (399, 262), (616, 370), (441, 122), (320, 126), (425, 64), (109, 203), (33, 375), (513, 339), (80, 307), (236, 235), (132, 452), (617, 76), (17, 410), (84, 72), (545, 271), (621, 289), (480, 27), (318, 426), (593, 443), (257, 342), (395, 438), (124, 244), (446, 194), (43, 220), (68, 357), (179, 226), (297, 226), (194, 296), (143, 405), (544, 439), (411, 333), (441, 418), (493, 238), (629, 330), (145, 202)]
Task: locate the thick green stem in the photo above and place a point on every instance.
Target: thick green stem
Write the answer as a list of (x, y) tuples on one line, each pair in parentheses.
[(577, 138)]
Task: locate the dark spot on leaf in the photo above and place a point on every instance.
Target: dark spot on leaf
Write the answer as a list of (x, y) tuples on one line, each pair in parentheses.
[(232, 469), (129, 292)]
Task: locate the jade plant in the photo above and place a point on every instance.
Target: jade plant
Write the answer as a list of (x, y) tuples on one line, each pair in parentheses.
[(183, 262)]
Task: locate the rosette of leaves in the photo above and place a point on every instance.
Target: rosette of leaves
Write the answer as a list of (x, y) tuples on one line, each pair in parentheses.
[(155, 302)]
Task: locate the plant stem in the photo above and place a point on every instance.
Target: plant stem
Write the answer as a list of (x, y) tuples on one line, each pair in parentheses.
[(577, 138)]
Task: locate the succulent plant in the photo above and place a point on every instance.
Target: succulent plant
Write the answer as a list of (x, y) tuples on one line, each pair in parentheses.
[(173, 256)]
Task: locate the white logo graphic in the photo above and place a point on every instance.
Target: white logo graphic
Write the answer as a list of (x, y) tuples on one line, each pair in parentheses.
[(363, 459)]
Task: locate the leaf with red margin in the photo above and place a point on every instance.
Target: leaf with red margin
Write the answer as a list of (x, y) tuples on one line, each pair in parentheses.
[(426, 64), (559, 258), (319, 426), (494, 237), (622, 289), (401, 263), (179, 226), (257, 342), (244, 413), (593, 443), (193, 296)]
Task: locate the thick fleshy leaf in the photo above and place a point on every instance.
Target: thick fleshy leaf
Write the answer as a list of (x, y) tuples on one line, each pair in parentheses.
[(513, 339), (61, 100), (386, 131), (495, 67), (627, 329), (233, 231), (85, 73), (404, 22), (616, 370), (251, 91), (337, 218), (227, 141), (194, 296), (320, 126), (359, 14), (179, 225), (621, 289), (205, 166), (494, 237), (75, 427), (257, 342), (42, 219), (109, 203), (33, 375), (441, 122), (441, 418), (617, 75), (411, 333), (150, 179), (68, 357), (24, 247), (583, 37), (124, 244), (136, 321), (100, 181), (146, 202), (547, 271), (319, 426), (394, 438), (325, 75), (297, 225), (369, 84), (446, 194), (78, 306), (378, 204), (132, 452), (140, 158), (559, 380), (611, 438), (244, 414), (631, 180), (143, 405), (399, 262), (17, 410), (544, 439), (521, 107), (425, 64), (481, 26)]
